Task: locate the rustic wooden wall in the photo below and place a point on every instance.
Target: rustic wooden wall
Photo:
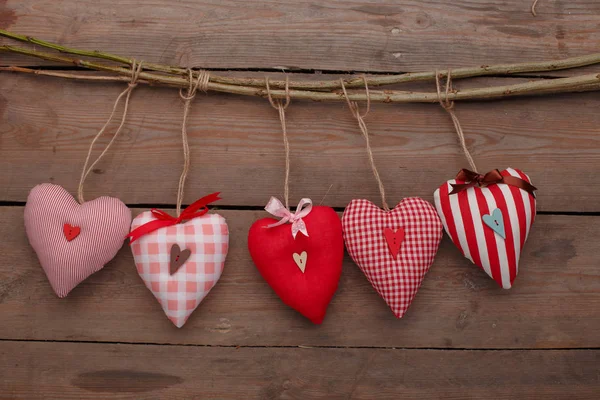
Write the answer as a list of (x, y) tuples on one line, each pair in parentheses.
[(463, 337)]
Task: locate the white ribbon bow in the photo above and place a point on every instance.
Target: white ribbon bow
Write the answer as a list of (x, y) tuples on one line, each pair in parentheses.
[(276, 208)]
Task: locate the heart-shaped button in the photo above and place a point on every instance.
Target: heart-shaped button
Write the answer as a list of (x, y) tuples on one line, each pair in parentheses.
[(394, 240), (99, 226), (70, 231), (300, 260), (508, 211), (178, 258), (309, 291), (373, 238), (496, 222), (181, 279)]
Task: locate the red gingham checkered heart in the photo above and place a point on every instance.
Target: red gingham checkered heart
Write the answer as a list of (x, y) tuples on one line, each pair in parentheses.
[(395, 279), (463, 217), (206, 237)]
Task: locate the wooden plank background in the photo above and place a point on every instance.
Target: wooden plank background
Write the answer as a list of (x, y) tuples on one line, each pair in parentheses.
[(463, 337), (353, 35)]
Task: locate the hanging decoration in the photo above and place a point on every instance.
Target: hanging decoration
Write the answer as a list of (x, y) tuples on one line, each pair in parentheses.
[(487, 216), (300, 255), (180, 259), (73, 239), (393, 247)]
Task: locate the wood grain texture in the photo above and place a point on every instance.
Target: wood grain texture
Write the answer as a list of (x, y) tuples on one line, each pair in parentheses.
[(237, 147), (359, 35), (463, 337), (555, 302), (84, 371)]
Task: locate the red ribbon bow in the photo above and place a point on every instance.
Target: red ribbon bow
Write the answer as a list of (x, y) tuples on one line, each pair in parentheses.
[(492, 177), (194, 210)]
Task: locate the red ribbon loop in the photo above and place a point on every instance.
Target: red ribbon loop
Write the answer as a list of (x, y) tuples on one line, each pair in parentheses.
[(194, 210), (491, 178)]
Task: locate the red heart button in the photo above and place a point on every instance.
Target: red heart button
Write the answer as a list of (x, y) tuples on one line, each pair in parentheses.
[(71, 232), (272, 250), (394, 240)]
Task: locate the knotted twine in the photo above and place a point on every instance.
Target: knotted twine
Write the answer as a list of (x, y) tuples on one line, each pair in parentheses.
[(201, 83), (449, 107), (472, 177), (281, 107), (199, 207), (136, 68), (353, 105)]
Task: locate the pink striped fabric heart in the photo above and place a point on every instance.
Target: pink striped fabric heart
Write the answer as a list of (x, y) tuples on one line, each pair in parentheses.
[(72, 240), (395, 248), (489, 225), (194, 252)]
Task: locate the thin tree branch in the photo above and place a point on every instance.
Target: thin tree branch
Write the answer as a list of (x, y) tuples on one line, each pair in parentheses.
[(588, 82)]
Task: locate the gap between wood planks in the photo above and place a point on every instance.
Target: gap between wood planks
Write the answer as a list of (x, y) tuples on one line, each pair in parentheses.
[(303, 347), (233, 207)]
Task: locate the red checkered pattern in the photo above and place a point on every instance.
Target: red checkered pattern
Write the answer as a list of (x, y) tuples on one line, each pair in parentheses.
[(207, 238), (396, 280)]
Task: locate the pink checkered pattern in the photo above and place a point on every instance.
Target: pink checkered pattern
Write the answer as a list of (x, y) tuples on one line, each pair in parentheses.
[(396, 280), (207, 238)]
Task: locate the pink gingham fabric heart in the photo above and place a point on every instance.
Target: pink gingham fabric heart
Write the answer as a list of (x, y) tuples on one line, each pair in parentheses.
[(179, 294), (396, 275), (72, 240)]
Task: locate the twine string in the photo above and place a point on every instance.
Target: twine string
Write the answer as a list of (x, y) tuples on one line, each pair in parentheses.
[(136, 69), (201, 82), (281, 107), (448, 105), (354, 109), (533, 5)]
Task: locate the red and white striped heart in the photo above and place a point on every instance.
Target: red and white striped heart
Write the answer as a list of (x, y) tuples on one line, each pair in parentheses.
[(489, 220), (395, 248), (72, 240)]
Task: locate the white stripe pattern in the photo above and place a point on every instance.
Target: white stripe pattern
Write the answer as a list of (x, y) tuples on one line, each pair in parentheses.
[(498, 256)]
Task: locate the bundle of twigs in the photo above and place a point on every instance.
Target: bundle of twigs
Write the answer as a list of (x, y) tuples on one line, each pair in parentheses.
[(119, 69)]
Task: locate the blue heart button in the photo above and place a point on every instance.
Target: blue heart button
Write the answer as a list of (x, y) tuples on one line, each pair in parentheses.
[(496, 222)]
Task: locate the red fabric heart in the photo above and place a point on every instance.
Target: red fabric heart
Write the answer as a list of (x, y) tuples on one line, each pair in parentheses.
[(272, 250), (462, 215), (71, 232), (396, 279)]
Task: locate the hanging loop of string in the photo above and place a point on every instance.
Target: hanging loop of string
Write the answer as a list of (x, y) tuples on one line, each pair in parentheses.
[(533, 8), (281, 107), (448, 105), (353, 105), (136, 69), (201, 82)]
